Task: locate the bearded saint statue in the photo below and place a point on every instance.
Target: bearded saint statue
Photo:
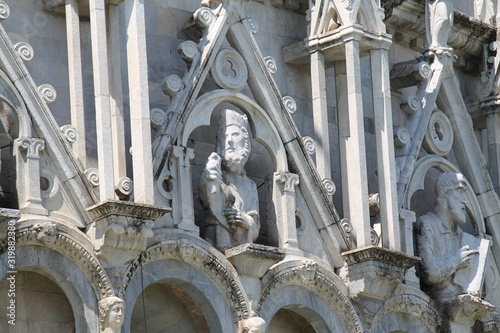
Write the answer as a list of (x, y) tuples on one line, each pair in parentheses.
[(439, 239), (227, 194)]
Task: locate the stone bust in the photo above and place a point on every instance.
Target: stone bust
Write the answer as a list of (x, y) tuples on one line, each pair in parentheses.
[(254, 325), (229, 197), (439, 239), (111, 312)]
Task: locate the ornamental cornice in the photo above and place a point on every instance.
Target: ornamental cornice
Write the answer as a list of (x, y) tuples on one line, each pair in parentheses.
[(127, 208), (310, 275), (380, 254), (203, 257), (67, 242)]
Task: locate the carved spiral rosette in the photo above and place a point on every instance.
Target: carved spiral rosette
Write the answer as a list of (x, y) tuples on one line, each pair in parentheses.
[(4, 11), (70, 133), (124, 188), (271, 64), (401, 136), (410, 104), (188, 50), (48, 93), (329, 186), (309, 144), (374, 237), (92, 175), (25, 51), (493, 46), (290, 104), (204, 17), (158, 118), (347, 227), (171, 85)]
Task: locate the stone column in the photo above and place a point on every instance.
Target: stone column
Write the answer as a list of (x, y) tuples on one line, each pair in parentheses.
[(142, 156), (493, 130), (407, 218), (75, 79), (356, 153), (391, 237), (284, 198), (102, 104), (27, 152), (318, 83), (182, 198)]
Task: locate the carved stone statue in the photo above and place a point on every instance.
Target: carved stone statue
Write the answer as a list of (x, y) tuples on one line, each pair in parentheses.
[(254, 325), (440, 243), (439, 22), (111, 312), (228, 195)]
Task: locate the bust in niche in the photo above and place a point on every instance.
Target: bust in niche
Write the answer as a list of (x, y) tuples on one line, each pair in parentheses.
[(111, 312), (229, 197), (441, 243)]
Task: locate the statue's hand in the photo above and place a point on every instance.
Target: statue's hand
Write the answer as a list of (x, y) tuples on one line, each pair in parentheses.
[(213, 166), (235, 219), (466, 257)]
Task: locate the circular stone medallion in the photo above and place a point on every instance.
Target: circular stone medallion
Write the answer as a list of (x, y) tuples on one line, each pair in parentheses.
[(229, 70), (439, 134)]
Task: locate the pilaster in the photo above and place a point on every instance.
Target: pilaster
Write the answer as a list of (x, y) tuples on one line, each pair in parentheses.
[(284, 196)]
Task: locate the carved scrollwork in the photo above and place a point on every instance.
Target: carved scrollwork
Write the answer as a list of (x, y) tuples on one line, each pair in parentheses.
[(158, 118), (401, 136), (290, 104), (24, 50), (124, 188), (329, 186), (374, 237), (188, 50), (4, 11), (204, 17), (48, 93), (31, 145), (70, 133), (271, 64), (229, 70), (92, 176), (410, 104), (439, 134), (309, 144), (347, 227), (171, 85)]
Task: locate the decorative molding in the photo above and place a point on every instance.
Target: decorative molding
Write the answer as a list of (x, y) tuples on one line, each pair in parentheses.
[(158, 118), (410, 105), (254, 259), (127, 209), (171, 85), (347, 227), (4, 11), (48, 93), (309, 145), (92, 175), (290, 104), (204, 17), (290, 180), (409, 73), (202, 257), (380, 254), (318, 280), (401, 136), (24, 50), (33, 146), (271, 64), (188, 50), (229, 70), (70, 133), (329, 186), (124, 188)]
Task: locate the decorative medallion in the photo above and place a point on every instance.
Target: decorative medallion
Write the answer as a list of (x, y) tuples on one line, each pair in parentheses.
[(439, 134), (229, 70)]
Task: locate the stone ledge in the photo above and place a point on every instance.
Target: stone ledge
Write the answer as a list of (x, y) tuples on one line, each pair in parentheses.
[(380, 254), (254, 259), (126, 208)]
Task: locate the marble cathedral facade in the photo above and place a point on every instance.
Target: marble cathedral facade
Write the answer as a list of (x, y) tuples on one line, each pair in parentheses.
[(281, 166)]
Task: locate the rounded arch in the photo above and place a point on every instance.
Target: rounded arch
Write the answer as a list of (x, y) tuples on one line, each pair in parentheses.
[(66, 275), (263, 128), (312, 291), (407, 313), (16, 109), (416, 183), (195, 267)]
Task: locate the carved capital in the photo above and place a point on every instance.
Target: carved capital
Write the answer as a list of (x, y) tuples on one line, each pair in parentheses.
[(466, 309), (254, 259), (290, 180), (183, 155), (33, 146)]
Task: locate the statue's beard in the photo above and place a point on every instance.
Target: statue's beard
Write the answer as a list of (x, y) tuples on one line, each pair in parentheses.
[(235, 159), (458, 213)]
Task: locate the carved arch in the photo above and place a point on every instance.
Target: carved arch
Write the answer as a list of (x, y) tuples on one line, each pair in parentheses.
[(416, 183), (193, 253), (14, 110), (262, 127), (319, 283)]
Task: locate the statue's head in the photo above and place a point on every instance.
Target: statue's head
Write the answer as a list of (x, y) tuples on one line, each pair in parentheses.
[(254, 325), (450, 191), (111, 312), (46, 233), (233, 142)]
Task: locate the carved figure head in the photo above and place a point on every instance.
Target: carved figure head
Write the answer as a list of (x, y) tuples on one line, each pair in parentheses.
[(111, 312), (46, 233), (450, 191), (254, 325), (233, 143)]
